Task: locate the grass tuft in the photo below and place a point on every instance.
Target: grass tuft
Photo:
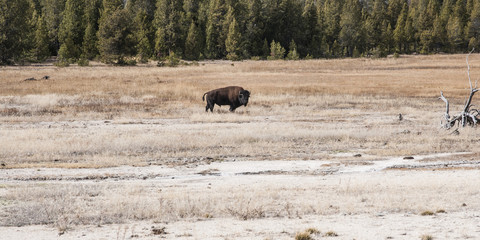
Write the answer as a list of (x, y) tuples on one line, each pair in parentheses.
[(330, 234), (303, 236), (427, 213), (426, 237)]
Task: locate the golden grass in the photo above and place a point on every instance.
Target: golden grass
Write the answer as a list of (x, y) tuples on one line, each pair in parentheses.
[(103, 116), (408, 76)]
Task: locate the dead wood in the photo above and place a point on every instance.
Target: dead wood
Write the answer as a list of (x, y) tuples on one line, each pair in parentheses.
[(468, 116)]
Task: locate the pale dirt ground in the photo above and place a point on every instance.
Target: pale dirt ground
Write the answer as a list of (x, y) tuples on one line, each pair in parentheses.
[(125, 161), (463, 225), (357, 202)]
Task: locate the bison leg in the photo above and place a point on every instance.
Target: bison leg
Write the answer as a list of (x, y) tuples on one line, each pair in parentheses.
[(232, 108), (210, 106)]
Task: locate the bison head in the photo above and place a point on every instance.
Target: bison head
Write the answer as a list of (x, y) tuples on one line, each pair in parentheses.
[(243, 97)]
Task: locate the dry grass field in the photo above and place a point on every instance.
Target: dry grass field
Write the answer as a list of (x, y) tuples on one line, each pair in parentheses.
[(106, 152)]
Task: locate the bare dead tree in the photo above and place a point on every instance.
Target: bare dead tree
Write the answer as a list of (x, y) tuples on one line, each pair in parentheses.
[(468, 116)]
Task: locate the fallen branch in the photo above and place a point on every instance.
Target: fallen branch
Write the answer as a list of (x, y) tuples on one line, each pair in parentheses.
[(468, 116)]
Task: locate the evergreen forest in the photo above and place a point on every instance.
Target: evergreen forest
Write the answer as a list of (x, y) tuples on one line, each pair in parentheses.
[(117, 31)]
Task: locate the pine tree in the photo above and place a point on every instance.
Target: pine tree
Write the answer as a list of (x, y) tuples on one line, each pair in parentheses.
[(215, 45), (394, 9), (441, 24), (409, 34), (290, 22), (193, 43), (253, 37), (14, 16), (232, 43), (41, 51), (170, 34), (143, 12), (292, 51), (455, 27), (109, 7), (350, 21), (473, 27), (191, 8), (375, 26), (312, 37), (277, 52), (426, 20), (399, 32), (265, 49), (115, 33), (71, 31), (455, 33), (332, 11), (52, 11), (91, 16), (387, 41)]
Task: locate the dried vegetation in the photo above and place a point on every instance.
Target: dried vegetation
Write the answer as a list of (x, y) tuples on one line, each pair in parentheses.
[(104, 116)]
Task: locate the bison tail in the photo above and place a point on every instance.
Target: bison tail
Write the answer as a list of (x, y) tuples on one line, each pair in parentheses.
[(203, 98)]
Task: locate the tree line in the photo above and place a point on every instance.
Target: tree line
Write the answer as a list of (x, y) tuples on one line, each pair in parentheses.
[(115, 31)]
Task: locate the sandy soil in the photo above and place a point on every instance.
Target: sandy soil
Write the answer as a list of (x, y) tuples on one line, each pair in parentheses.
[(460, 225)]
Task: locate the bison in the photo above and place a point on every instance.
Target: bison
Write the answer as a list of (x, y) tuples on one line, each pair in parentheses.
[(233, 96)]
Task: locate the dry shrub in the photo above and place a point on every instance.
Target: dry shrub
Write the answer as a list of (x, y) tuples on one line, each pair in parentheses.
[(426, 237), (303, 236)]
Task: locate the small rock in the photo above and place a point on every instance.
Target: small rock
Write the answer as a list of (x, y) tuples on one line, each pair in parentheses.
[(358, 155), (408, 158)]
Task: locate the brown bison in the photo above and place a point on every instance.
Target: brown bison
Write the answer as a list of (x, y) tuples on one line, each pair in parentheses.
[(232, 96)]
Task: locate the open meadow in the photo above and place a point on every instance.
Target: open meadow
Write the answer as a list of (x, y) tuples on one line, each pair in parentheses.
[(340, 149)]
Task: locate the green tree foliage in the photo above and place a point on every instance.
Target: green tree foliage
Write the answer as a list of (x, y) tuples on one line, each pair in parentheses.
[(376, 28), (332, 11), (71, 31), (473, 27), (52, 11), (292, 51), (193, 43), (143, 12), (265, 49), (351, 29), (285, 21), (170, 34), (90, 39), (232, 43), (215, 43), (14, 27), (399, 36), (196, 29), (116, 39), (276, 51), (311, 41), (253, 37), (41, 51)]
